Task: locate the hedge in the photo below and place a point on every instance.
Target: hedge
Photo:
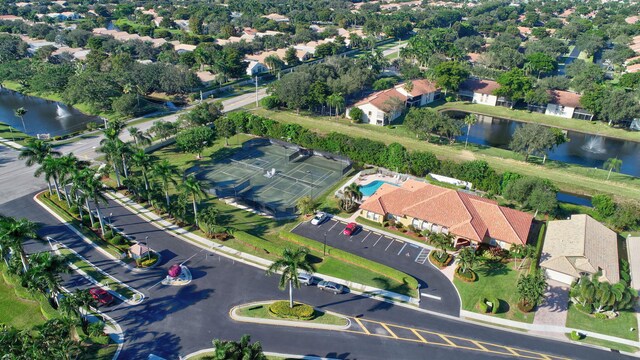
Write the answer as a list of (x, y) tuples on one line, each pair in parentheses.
[(495, 302), (576, 336), (384, 270), (482, 305), (438, 262), (299, 311)]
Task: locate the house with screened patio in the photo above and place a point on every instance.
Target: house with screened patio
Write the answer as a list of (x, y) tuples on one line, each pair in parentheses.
[(468, 217)]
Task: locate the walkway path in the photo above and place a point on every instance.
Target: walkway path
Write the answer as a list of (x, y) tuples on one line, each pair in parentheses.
[(555, 308)]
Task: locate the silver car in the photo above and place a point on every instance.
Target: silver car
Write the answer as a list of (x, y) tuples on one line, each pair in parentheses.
[(331, 286), (319, 218), (308, 279)]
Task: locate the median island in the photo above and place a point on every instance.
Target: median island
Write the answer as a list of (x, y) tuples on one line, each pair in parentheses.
[(280, 313)]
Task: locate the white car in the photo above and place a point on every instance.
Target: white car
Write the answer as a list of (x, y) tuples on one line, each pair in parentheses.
[(319, 218), (308, 279)]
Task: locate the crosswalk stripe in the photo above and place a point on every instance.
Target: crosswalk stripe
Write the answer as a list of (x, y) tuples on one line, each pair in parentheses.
[(389, 330), (418, 335), (451, 343), (362, 326)]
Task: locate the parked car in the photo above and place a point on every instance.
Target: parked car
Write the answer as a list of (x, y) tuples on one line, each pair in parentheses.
[(308, 279), (319, 218), (102, 296), (350, 229), (331, 286)]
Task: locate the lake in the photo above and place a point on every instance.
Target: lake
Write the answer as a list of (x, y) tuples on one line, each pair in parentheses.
[(43, 116), (582, 149)]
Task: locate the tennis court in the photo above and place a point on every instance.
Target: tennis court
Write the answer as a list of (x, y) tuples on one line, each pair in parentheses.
[(271, 175)]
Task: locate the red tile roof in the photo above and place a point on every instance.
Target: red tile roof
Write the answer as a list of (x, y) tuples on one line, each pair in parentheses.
[(420, 87), (564, 98), (465, 215), (480, 86), (380, 99)]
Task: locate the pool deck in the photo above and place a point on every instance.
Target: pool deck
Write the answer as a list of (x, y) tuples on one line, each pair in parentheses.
[(360, 180)]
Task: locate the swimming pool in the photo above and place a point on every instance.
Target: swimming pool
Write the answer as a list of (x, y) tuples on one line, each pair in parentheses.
[(370, 188)]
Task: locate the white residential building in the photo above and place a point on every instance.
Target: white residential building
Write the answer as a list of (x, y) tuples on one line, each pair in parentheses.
[(255, 68)]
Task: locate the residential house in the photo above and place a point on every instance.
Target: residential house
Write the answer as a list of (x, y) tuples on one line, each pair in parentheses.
[(205, 77), (567, 105), (11, 18), (276, 17), (580, 246), (181, 48), (480, 91), (632, 19), (469, 218), (255, 68), (382, 107)]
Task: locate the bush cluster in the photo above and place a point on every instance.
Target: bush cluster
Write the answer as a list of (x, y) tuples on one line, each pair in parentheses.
[(576, 336), (299, 311), (440, 259), (470, 276)]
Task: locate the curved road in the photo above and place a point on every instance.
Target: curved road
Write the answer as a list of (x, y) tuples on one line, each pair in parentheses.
[(175, 321)]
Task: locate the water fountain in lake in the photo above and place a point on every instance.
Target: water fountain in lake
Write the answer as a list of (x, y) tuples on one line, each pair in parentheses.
[(62, 112), (595, 145)]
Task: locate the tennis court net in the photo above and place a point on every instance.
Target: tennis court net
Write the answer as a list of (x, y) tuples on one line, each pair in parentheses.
[(247, 165), (296, 180)]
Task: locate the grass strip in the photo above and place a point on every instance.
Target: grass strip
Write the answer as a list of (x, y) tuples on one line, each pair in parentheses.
[(262, 312), (619, 326), (104, 280), (607, 344), (16, 311)]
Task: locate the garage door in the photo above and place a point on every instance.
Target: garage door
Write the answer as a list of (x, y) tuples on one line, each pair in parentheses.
[(558, 276)]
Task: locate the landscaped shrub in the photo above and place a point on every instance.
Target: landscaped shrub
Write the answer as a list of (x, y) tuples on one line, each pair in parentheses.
[(108, 235), (600, 316), (469, 276), (524, 307), (412, 228), (118, 240), (299, 311), (74, 210), (146, 262), (440, 259), (495, 304), (482, 305), (576, 336)]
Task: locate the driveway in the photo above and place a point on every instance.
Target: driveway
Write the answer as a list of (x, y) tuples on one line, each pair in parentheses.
[(438, 293)]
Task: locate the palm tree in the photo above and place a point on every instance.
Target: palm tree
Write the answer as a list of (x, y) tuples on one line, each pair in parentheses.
[(78, 178), (109, 149), (467, 260), (21, 112), (13, 232), (612, 164), (51, 167), (166, 173), (93, 187), (140, 137), (469, 120), (336, 100), (72, 303), (36, 151), (43, 273), (194, 188), (225, 350), (290, 262), (68, 164), (142, 160), (352, 194), (441, 241)]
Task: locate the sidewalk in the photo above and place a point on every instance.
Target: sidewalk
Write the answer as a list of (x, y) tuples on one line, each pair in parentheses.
[(11, 144), (246, 258)]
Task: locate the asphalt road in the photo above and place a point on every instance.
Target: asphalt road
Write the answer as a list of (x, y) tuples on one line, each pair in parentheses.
[(439, 294), (174, 321)]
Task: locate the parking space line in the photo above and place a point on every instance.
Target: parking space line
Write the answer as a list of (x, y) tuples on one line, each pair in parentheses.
[(414, 246), (417, 334), (405, 245), (365, 238), (378, 240), (389, 330), (366, 331), (447, 340), (392, 241), (512, 351), (334, 225), (431, 296), (479, 345)]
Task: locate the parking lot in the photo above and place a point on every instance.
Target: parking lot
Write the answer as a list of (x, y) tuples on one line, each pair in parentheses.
[(438, 294)]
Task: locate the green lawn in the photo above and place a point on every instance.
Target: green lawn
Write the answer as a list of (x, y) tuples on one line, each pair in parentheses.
[(607, 344), (17, 312), (13, 134), (571, 178), (262, 312), (615, 327), (494, 280)]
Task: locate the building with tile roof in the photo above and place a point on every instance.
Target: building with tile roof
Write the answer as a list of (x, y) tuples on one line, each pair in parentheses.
[(380, 108), (469, 218), (481, 91), (580, 246), (566, 104)]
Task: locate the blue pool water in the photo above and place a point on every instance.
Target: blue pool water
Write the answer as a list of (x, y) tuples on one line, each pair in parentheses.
[(370, 188)]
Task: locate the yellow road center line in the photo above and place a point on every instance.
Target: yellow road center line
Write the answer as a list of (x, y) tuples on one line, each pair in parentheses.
[(479, 345), (451, 343), (512, 351), (389, 330), (362, 326), (418, 335)]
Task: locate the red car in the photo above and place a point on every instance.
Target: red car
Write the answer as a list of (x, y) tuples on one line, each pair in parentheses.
[(101, 296), (350, 229)]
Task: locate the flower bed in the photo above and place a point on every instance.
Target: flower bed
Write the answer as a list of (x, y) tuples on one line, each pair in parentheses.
[(435, 257), (469, 276), (299, 311)]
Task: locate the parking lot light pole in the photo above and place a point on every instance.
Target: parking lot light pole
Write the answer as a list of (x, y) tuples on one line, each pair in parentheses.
[(146, 242), (110, 215), (324, 249), (419, 295)]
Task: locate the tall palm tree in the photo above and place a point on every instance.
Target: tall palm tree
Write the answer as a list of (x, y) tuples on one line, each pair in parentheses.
[(13, 232), (467, 260), (43, 273), (196, 190), (72, 303), (21, 112), (68, 164), (166, 173), (78, 178), (352, 193), (35, 152), (93, 187), (141, 159), (290, 262), (51, 167), (441, 241), (469, 120), (612, 164), (140, 137)]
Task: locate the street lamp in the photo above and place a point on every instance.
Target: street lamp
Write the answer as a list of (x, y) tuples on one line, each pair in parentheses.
[(146, 242), (324, 249), (419, 295), (110, 215)]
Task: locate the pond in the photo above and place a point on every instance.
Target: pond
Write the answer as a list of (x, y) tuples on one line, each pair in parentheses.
[(43, 116), (582, 149)]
